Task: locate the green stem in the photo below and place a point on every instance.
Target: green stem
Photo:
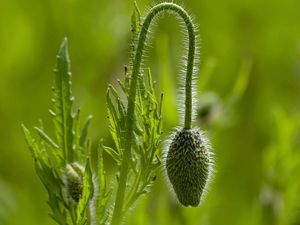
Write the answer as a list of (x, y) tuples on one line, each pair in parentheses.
[(169, 7)]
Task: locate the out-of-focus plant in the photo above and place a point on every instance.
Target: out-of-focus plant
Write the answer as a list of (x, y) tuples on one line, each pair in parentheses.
[(7, 202), (280, 190), (213, 110)]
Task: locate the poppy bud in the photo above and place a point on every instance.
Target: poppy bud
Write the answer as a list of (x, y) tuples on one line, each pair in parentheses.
[(188, 164), (73, 181)]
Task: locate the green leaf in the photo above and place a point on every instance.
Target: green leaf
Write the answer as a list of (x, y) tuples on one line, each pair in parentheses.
[(114, 121), (62, 103), (87, 192), (114, 154), (76, 137), (103, 195), (101, 173), (30, 141), (47, 176), (84, 131), (135, 19), (52, 156), (46, 138), (242, 80)]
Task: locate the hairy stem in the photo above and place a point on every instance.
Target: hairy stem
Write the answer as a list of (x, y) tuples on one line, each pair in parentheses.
[(138, 57)]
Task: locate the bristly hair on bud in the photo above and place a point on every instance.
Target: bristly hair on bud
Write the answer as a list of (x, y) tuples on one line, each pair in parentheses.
[(189, 158), (189, 165), (73, 178)]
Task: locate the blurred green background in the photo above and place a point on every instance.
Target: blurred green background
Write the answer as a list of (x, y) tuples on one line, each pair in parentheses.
[(249, 100)]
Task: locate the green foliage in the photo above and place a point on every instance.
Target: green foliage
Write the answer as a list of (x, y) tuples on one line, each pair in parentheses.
[(265, 31), (147, 132), (72, 172), (62, 104), (281, 168), (100, 201), (211, 109), (63, 164)]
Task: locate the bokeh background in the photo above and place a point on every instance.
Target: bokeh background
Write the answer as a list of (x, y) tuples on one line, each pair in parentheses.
[(248, 101)]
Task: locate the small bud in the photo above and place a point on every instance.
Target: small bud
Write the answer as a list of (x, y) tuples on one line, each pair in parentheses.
[(188, 165), (73, 181)]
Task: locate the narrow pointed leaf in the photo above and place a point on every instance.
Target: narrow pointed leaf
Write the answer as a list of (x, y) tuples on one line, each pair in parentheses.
[(135, 19), (30, 141), (62, 102), (84, 131), (114, 154), (87, 191), (46, 138)]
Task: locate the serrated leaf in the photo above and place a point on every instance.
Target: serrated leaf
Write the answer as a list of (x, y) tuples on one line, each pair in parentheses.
[(84, 131), (46, 138), (87, 192), (150, 82), (114, 154), (121, 108), (58, 214), (52, 153), (41, 165), (76, 136), (62, 103), (30, 141), (60, 221), (100, 168), (135, 20), (113, 121), (103, 194), (47, 177)]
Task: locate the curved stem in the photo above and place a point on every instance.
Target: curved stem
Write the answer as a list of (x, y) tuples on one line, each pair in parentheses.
[(168, 7)]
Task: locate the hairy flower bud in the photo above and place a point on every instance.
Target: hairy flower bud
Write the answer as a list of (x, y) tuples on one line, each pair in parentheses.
[(73, 181), (188, 165)]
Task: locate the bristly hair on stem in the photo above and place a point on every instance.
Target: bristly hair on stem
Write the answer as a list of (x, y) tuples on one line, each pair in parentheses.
[(135, 71), (72, 170)]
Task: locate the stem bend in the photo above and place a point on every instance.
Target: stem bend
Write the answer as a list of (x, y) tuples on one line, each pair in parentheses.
[(178, 10), (136, 67)]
